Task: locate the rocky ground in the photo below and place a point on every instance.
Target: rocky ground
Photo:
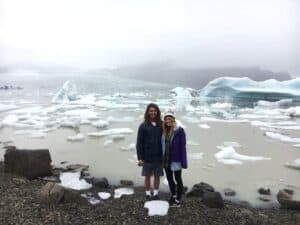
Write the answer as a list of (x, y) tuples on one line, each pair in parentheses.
[(20, 204)]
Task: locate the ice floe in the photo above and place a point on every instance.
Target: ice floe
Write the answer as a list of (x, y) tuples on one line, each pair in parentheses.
[(6, 107), (114, 131), (183, 98), (282, 137), (157, 207), (130, 147), (196, 155), (204, 126), (294, 165), (123, 191), (293, 111), (77, 137), (71, 180), (104, 195), (228, 155), (82, 113), (101, 124), (107, 142), (67, 93)]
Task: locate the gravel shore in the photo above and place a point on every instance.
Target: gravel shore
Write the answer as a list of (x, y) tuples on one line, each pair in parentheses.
[(20, 204)]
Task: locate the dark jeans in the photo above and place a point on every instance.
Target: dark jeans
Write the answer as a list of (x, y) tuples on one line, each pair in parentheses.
[(172, 185)]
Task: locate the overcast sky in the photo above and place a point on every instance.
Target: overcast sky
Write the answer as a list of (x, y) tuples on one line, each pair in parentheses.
[(202, 33)]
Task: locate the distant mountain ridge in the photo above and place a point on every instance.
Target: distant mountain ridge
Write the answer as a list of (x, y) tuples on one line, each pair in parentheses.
[(195, 77)]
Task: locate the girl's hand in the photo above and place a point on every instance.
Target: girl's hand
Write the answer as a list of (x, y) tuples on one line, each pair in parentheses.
[(140, 162)]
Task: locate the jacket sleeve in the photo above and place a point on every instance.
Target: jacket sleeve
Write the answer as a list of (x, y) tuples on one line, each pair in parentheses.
[(140, 143), (183, 149)]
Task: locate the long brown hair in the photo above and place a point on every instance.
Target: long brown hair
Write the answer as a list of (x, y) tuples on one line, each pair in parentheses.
[(168, 131), (158, 116)]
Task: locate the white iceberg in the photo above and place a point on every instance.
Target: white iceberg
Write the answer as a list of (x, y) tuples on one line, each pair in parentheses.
[(104, 195), (245, 88), (293, 111), (107, 142), (71, 180), (282, 137), (67, 93), (114, 131), (101, 124), (294, 165), (6, 107), (228, 155), (183, 98), (157, 207), (130, 147), (77, 137), (204, 126), (123, 191)]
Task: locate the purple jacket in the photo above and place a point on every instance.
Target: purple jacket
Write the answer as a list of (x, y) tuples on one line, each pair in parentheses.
[(178, 147)]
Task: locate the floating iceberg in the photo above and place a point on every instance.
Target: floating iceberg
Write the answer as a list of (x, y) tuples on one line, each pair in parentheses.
[(67, 93), (247, 89), (77, 137), (114, 131), (282, 137), (228, 155), (183, 98)]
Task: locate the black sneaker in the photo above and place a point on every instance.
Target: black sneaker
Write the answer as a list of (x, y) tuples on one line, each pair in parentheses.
[(173, 202), (155, 197), (148, 198)]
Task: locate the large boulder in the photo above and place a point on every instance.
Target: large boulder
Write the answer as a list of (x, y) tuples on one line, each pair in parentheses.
[(213, 200), (52, 193), (286, 201), (198, 190), (28, 163)]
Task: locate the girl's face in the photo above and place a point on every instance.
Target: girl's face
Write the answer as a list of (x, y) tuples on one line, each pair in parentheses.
[(169, 121), (152, 112)]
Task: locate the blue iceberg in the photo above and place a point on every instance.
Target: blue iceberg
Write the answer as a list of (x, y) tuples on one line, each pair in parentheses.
[(245, 89)]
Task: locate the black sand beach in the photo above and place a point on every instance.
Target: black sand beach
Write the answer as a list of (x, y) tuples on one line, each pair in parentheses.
[(20, 204)]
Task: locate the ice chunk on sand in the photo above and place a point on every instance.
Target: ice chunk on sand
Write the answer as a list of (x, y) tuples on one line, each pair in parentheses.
[(100, 124), (228, 155), (114, 131), (123, 191), (281, 137), (104, 195), (77, 137), (67, 93), (130, 147), (71, 180), (157, 207)]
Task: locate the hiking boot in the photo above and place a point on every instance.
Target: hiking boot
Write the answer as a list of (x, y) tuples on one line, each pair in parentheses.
[(173, 202)]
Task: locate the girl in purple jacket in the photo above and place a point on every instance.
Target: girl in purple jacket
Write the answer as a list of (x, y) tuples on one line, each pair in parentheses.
[(175, 159)]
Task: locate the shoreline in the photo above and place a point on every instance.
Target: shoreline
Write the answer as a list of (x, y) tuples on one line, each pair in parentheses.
[(20, 204)]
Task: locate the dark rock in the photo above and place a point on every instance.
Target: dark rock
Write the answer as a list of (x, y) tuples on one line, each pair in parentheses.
[(77, 167), (289, 191), (286, 201), (126, 182), (264, 199), (229, 192), (100, 182), (264, 191), (213, 200), (28, 163), (52, 193), (199, 189), (72, 196)]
